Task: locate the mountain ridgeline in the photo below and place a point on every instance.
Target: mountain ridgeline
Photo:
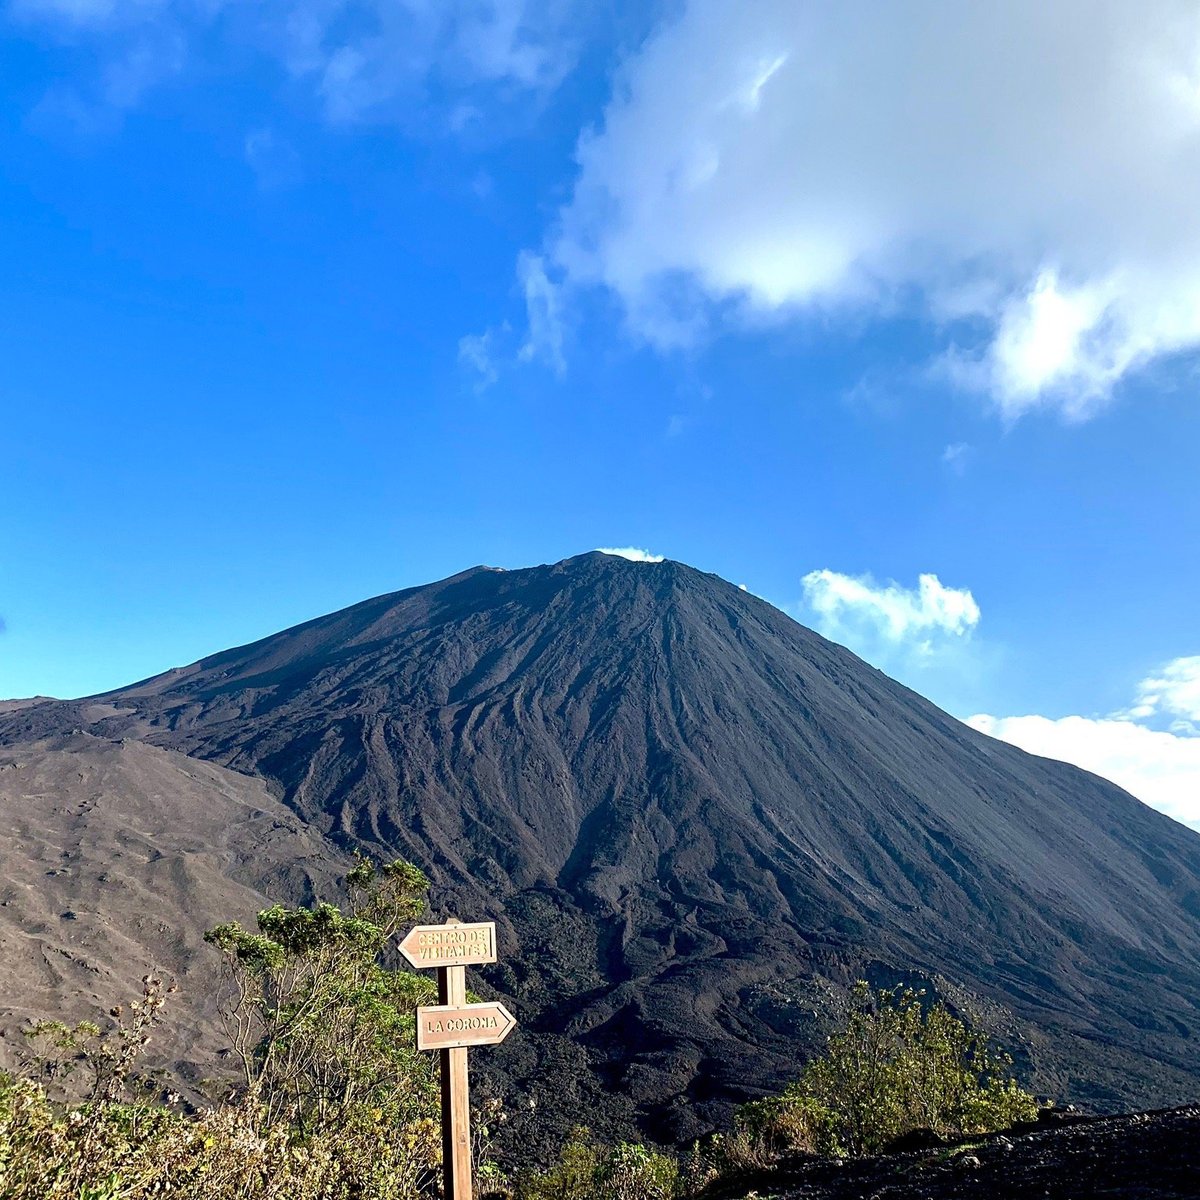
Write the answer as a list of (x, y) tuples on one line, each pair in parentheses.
[(697, 822)]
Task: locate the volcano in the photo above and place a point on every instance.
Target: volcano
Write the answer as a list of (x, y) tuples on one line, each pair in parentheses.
[(697, 823)]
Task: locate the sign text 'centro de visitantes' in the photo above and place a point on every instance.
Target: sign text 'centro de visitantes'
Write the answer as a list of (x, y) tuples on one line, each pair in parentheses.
[(461, 945), (447, 1027)]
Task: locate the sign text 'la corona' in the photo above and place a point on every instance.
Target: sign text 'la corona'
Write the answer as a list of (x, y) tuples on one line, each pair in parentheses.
[(445, 1027)]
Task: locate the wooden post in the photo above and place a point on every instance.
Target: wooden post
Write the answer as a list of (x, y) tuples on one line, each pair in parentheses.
[(452, 1026), (456, 1112)]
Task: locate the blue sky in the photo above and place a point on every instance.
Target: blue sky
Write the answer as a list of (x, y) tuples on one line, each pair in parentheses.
[(308, 300)]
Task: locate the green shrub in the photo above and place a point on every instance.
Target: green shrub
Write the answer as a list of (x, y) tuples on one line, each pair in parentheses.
[(792, 1122), (122, 1152), (588, 1171), (334, 1103), (324, 1033), (897, 1066)]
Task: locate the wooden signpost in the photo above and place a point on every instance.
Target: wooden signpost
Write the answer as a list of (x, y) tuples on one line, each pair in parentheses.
[(452, 1026)]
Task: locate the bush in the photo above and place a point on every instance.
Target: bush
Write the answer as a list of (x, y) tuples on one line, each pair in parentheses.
[(334, 1103), (588, 1171), (896, 1066), (122, 1152), (792, 1122)]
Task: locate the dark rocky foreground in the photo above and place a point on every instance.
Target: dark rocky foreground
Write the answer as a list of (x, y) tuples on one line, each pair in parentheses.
[(695, 821), (1146, 1156)]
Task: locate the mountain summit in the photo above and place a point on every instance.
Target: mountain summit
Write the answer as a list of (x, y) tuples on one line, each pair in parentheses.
[(697, 823)]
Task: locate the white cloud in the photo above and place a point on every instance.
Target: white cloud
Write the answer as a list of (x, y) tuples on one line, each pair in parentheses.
[(1158, 767), (1024, 174), (631, 552), (922, 635), (897, 613)]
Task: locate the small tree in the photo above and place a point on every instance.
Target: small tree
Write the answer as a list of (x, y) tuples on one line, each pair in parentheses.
[(97, 1065), (897, 1066), (324, 1034)]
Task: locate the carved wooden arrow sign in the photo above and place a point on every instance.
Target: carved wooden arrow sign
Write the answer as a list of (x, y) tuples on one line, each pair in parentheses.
[(456, 945), (454, 1026)]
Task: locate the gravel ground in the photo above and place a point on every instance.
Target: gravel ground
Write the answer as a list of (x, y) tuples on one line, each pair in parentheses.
[(1144, 1156)]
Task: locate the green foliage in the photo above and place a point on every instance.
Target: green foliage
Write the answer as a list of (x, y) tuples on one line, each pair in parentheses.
[(588, 1171), (572, 1176), (633, 1172), (896, 1065), (133, 1152), (792, 1122), (335, 1102), (323, 1032)]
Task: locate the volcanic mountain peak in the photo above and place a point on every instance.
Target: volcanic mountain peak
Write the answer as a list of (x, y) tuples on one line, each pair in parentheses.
[(476, 594), (694, 819)]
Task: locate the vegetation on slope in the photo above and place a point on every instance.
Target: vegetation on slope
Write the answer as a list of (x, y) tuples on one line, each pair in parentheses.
[(333, 1103)]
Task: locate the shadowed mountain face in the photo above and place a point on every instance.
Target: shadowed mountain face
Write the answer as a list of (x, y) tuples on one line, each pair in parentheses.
[(697, 822)]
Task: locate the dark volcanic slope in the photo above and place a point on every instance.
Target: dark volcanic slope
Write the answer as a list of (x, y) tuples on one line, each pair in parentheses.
[(697, 819)]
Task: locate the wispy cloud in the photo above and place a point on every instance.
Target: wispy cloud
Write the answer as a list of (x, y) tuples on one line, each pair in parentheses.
[(273, 159), (92, 13), (633, 553), (486, 355), (478, 354), (1172, 692), (544, 315), (956, 456), (364, 59)]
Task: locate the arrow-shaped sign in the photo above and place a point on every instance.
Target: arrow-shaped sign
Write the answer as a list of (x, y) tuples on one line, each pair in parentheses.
[(455, 1026), (452, 1027), (455, 945)]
